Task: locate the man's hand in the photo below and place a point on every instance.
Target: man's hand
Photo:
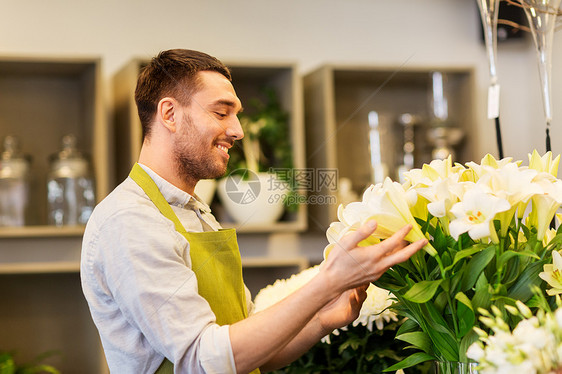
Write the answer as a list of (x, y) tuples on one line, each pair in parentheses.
[(342, 310), (349, 266)]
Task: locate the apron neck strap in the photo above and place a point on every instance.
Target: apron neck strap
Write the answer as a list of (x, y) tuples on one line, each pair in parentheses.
[(144, 181)]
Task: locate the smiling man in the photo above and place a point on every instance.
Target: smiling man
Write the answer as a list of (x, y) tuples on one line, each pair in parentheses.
[(164, 282)]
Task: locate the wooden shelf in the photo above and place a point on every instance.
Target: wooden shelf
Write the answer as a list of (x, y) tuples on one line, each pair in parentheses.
[(257, 262), (282, 226), (41, 232), (40, 268)]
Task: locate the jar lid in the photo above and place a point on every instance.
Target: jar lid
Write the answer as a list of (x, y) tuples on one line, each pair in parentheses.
[(13, 164)]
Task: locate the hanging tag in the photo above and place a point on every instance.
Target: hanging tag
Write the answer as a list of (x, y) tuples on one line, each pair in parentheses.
[(494, 101)]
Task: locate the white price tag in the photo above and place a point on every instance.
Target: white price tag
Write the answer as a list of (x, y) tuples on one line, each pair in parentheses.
[(494, 101)]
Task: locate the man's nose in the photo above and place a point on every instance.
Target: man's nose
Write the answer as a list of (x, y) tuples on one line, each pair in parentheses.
[(234, 129)]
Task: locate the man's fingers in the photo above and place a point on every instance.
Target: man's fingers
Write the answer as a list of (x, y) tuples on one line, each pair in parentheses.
[(350, 241), (403, 254), (389, 245), (360, 294)]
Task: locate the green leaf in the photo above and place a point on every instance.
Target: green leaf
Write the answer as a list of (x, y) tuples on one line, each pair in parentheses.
[(506, 256), (423, 291), (408, 325), (522, 289), (475, 266), (465, 314), (419, 339), (466, 342), (455, 281), (481, 298), (7, 364), (441, 301), (460, 296), (440, 333), (466, 253), (388, 282), (410, 361), (439, 240)]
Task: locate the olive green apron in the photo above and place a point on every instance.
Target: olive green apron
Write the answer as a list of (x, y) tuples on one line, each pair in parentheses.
[(215, 260)]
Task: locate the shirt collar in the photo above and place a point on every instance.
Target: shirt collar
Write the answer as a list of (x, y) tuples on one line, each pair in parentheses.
[(174, 195)]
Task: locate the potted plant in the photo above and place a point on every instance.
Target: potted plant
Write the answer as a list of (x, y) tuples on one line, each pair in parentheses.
[(253, 191), (8, 365)]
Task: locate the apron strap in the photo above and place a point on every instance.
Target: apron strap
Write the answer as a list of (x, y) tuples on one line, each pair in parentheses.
[(151, 189)]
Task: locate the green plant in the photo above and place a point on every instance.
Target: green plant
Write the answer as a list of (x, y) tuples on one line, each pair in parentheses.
[(266, 146), (365, 346), (266, 142), (8, 365), (356, 350)]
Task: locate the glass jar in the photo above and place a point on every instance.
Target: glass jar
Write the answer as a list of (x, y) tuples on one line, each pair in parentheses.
[(14, 183), (70, 186)]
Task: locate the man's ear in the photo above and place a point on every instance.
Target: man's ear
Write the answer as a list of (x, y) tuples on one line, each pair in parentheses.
[(167, 113)]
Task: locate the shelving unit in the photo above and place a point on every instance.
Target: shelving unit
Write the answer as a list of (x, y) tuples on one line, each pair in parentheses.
[(248, 80), (42, 307), (338, 101), (45, 99)]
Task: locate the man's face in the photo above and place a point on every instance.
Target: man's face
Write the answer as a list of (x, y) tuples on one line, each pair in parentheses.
[(208, 129)]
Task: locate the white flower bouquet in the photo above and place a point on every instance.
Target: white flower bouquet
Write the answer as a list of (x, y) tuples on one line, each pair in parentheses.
[(488, 227), (534, 346)]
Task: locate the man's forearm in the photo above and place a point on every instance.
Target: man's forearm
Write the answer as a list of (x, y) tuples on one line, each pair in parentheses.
[(260, 338), (301, 343)]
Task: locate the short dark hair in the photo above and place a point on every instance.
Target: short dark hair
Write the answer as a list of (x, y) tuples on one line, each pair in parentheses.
[(171, 73)]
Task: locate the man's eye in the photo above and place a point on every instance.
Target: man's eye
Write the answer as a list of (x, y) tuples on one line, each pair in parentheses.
[(220, 115)]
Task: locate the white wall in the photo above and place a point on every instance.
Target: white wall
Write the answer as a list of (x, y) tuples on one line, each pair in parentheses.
[(309, 32)]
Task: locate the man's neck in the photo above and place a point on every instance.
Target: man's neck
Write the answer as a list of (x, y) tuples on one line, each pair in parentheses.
[(162, 165)]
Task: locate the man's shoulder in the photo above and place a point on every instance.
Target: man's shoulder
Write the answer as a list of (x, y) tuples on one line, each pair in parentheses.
[(126, 200)]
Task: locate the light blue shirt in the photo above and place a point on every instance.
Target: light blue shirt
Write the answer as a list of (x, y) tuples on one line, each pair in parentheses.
[(136, 276)]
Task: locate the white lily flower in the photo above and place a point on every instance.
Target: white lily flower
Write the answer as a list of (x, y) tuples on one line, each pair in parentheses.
[(475, 214), (475, 352), (544, 163), (388, 205), (417, 203), (548, 236), (552, 274), (442, 194), (513, 184), (545, 204), (429, 173), (488, 164)]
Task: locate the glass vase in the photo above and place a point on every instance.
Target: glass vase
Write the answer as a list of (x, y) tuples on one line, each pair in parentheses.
[(541, 15), (489, 13), (453, 367)]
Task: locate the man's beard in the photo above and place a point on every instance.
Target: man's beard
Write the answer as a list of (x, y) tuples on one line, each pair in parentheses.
[(193, 168), (192, 158)]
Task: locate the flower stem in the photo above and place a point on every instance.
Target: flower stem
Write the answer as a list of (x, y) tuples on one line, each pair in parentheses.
[(453, 313)]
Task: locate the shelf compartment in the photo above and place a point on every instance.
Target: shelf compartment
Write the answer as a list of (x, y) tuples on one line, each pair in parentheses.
[(338, 100), (45, 99)]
